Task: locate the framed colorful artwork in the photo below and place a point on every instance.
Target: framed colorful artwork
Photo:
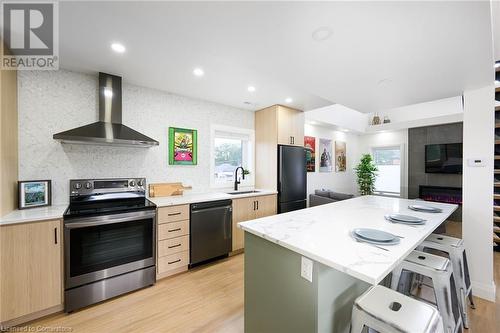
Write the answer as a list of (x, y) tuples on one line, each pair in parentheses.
[(310, 145), (340, 156), (34, 193), (325, 163), (182, 146)]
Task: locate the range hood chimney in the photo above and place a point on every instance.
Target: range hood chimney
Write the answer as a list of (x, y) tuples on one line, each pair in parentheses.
[(109, 130)]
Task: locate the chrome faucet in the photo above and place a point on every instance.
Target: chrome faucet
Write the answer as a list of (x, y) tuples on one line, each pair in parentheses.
[(236, 181)]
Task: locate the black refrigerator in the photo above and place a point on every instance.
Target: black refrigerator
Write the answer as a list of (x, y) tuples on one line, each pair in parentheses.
[(292, 178)]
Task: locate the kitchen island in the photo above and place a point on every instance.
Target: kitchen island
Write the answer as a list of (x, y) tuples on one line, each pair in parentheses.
[(279, 299)]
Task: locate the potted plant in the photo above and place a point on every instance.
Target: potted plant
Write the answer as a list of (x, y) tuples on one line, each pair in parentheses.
[(366, 171)]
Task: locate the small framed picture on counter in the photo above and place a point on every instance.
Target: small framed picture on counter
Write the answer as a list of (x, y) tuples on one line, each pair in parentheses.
[(34, 193)]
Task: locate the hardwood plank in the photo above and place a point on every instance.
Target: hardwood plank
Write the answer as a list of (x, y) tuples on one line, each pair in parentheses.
[(204, 299), (209, 299)]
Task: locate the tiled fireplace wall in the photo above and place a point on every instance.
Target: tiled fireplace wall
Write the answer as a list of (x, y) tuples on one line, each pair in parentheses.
[(417, 139)]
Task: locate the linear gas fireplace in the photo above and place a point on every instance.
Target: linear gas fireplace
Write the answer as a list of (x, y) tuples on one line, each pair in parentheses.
[(444, 194)]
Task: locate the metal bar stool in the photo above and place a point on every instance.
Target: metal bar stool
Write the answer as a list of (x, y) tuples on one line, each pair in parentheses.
[(439, 270), (386, 310), (455, 249)]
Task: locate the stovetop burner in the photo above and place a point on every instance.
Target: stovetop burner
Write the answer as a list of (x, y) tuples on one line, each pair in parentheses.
[(93, 197)]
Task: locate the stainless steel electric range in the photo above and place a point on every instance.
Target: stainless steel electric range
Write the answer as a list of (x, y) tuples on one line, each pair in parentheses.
[(109, 240)]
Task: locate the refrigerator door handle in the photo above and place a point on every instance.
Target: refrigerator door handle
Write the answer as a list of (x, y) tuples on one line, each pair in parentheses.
[(280, 179)]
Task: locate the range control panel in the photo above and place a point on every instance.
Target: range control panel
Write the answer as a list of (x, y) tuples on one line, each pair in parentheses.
[(113, 185)]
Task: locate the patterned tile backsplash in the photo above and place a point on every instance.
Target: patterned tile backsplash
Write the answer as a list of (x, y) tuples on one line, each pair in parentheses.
[(51, 102)]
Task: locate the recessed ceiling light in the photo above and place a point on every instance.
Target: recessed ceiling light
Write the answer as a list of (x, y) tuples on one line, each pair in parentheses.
[(251, 88), (322, 33), (497, 65), (198, 72), (118, 48), (288, 100)]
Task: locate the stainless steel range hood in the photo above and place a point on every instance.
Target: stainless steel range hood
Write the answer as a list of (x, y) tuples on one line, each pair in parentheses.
[(109, 130)]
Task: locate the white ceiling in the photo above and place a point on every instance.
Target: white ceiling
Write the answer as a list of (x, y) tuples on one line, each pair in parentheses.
[(381, 54)]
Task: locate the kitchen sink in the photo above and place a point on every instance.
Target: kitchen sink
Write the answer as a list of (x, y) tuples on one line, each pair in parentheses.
[(243, 192)]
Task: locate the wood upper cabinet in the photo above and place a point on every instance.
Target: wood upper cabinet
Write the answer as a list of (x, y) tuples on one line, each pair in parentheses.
[(251, 208), (275, 125), (30, 268), (290, 126)]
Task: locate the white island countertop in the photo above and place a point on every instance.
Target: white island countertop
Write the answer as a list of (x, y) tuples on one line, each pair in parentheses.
[(323, 233)]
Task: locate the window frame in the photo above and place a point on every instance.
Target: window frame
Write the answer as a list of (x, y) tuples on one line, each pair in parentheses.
[(402, 168), (249, 179)]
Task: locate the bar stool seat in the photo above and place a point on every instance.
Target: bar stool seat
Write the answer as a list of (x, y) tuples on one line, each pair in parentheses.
[(440, 271), (386, 310), (455, 249)]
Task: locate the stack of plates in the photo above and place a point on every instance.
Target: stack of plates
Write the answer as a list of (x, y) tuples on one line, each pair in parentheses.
[(374, 236), (404, 219), (425, 208)]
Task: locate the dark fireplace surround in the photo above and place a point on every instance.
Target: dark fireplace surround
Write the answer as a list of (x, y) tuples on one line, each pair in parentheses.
[(445, 194)]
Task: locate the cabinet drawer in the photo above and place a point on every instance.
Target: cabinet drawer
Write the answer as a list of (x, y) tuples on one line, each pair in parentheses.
[(174, 245), (172, 230), (173, 261), (173, 214)]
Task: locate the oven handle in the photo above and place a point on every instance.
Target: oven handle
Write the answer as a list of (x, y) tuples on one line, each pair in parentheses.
[(109, 219)]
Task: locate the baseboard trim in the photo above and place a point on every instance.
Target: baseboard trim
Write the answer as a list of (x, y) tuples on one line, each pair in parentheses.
[(30, 317), (484, 291)]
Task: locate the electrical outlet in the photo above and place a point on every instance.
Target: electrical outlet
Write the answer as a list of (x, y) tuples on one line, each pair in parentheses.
[(306, 269)]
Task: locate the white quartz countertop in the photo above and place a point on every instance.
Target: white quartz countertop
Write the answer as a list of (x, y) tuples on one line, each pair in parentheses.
[(33, 214), (204, 197), (57, 211), (323, 233)]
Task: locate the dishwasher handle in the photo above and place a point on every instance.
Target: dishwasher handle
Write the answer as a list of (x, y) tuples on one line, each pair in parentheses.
[(211, 204)]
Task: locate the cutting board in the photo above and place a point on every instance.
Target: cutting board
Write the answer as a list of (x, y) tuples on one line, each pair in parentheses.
[(167, 189)]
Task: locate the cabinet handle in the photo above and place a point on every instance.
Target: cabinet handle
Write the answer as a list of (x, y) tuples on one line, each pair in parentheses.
[(172, 230), (55, 235), (173, 262), (173, 214), (171, 247), (290, 140), (257, 204), (254, 205), (293, 139)]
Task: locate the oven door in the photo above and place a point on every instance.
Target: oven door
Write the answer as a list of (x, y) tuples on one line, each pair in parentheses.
[(100, 247)]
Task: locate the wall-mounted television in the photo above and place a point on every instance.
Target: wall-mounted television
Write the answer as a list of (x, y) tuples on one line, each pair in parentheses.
[(443, 158)]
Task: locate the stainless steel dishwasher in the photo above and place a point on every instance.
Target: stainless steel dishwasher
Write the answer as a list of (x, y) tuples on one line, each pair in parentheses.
[(210, 230)]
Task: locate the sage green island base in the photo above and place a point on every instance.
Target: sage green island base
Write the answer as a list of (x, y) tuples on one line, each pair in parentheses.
[(278, 299)]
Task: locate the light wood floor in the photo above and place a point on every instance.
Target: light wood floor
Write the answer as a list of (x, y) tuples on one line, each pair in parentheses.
[(207, 299)]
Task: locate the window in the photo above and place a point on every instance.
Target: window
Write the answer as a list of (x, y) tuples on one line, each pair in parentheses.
[(388, 162), (231, 147)]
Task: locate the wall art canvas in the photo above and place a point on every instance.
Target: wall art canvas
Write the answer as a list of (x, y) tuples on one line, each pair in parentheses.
[(182, 146), (340, 156), (325, 149), (310, 145), (34, 193)]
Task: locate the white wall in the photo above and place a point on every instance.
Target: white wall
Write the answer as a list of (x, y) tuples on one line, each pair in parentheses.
[(441, 111), (385, 139), (344, 182), (339, 117), (54, 101), (477, 209)]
